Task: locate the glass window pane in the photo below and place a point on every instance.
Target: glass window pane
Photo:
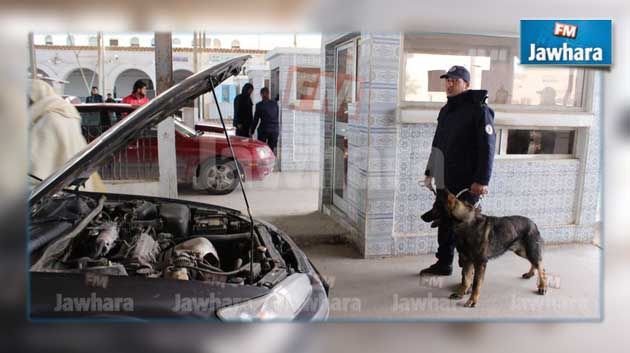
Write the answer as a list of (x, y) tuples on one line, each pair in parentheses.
[(345, 79), (540, 142), (341, 165), (494, 65)]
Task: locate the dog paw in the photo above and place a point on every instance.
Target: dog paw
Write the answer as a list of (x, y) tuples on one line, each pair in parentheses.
[(542, 291), (527, 275), (470, 303), (456, 296)]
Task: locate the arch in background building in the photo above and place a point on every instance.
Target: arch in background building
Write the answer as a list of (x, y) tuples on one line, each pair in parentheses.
[(134, 42), (236, 44), (80, 82), (125, 80), (177, 42), (48, 40)]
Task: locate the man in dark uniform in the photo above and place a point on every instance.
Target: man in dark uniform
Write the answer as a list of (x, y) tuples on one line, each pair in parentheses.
[(462, 154), (243, 116), (267, 114)]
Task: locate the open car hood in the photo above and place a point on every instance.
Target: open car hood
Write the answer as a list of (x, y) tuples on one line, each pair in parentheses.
[(87, 160)]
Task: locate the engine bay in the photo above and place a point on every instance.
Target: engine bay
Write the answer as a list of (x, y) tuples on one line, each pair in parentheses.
[(76, 233)]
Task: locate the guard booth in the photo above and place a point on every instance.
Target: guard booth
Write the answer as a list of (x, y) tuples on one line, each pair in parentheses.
[(382, 95), (295, 77)]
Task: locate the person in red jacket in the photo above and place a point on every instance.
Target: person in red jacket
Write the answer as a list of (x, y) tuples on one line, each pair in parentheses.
[(138, 96)]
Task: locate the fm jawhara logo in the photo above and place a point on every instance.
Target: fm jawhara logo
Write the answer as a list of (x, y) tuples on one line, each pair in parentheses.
[(566, 42)]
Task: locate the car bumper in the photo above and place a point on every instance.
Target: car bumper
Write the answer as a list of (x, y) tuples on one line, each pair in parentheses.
[(317, 307), (259, 169)]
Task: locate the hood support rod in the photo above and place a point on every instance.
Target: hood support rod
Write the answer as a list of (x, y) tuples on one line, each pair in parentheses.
[(240, 181)]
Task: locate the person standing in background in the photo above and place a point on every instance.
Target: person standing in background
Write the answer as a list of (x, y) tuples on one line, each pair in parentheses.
[(267, 115), (138, 96), (243, 116), (55, 134), (95, 97)]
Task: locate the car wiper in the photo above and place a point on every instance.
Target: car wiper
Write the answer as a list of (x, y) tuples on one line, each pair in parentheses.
[(240, 181)]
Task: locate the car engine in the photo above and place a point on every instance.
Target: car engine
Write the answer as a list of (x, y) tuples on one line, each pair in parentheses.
[(152, 239)]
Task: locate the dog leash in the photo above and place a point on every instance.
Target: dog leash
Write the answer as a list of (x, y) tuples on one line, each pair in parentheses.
[(477, 204)]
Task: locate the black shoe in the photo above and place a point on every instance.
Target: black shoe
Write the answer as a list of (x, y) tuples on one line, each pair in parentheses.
[(437, 269)]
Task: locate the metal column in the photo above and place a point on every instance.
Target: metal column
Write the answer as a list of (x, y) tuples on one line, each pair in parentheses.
[(166, 129), (32, 59)]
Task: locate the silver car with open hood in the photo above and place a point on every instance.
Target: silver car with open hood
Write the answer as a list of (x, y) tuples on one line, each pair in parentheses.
[(128, 257)]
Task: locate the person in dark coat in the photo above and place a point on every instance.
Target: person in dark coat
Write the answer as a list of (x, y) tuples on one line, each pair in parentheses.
[(94, 97), (268, 115), (462, 154), (243, 116)]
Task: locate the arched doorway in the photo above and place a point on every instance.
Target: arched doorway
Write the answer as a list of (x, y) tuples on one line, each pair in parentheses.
[(80, 83), (124, 83)]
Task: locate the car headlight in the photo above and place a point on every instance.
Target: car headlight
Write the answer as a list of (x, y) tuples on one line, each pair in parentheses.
[(283, 302), (263, 152)]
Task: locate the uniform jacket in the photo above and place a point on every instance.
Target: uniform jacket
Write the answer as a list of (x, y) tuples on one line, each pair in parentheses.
[(243, 111), (464, 142), (267, 114)]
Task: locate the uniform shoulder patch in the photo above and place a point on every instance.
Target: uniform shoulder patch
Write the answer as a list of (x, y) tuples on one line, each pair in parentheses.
[(489, 129)]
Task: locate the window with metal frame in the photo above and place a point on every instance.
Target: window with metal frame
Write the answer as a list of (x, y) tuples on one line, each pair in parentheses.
[(494, 65), (517, 142)]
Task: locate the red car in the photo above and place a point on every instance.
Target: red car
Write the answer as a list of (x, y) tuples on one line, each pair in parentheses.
[(203, 158)]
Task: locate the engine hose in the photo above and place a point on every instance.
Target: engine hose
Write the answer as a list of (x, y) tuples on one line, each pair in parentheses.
[(55, 252)]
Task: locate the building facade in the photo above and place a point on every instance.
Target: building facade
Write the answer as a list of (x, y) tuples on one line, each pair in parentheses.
[(381, 95), (78, 66)]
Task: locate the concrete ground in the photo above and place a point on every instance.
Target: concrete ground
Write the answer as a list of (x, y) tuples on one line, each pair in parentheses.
[(390, 288), (280, 194)]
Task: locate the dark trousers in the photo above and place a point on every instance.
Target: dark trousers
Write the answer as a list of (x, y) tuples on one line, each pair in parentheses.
[(446, 236), (270, 138)]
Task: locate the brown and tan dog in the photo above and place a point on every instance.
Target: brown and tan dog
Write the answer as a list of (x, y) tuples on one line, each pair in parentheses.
[(480, 238)]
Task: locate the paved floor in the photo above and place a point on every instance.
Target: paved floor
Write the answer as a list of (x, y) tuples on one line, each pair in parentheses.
[(390, 288), (286, 193), (280, 194)]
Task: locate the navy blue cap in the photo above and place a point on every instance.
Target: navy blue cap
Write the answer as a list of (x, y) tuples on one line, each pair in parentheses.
[(457, 72)]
